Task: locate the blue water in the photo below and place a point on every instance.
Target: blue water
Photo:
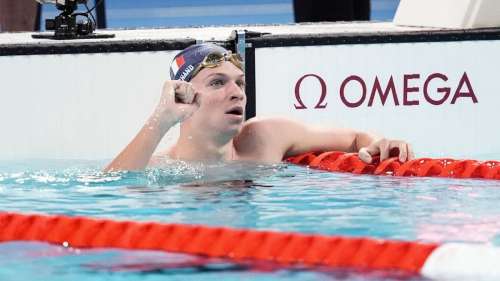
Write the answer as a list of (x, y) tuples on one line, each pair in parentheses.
[(277, 197)]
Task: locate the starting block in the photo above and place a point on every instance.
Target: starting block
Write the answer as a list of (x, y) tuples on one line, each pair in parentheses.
[(461, 14)]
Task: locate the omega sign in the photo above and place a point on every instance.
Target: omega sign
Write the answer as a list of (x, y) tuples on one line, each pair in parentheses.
[(435, 90)]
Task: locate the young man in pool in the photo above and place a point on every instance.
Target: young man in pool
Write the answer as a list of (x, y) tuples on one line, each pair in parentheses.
[(206, 94)]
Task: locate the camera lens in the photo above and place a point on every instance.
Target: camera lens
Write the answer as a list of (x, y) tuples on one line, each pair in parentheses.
[(50, 24)]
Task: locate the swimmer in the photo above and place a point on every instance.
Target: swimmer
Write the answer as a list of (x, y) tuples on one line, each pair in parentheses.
[(206, 94)]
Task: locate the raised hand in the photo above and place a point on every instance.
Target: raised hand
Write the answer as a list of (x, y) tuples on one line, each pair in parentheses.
[(178, 101)]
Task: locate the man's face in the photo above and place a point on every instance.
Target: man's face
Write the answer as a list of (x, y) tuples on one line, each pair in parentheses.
[(222, 98)]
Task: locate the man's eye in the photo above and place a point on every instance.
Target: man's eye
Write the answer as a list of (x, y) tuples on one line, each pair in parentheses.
[(216, 82), (241, 84)]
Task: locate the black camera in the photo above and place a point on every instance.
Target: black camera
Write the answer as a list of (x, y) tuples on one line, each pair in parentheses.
[(65, 25), (69, 24)]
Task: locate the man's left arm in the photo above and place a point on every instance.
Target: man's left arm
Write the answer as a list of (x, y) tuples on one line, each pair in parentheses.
[(300, 138)]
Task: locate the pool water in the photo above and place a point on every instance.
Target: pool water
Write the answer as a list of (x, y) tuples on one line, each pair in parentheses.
[(266, 197)]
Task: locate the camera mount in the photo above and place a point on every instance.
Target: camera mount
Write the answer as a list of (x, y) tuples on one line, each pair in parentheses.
[(66, 26)]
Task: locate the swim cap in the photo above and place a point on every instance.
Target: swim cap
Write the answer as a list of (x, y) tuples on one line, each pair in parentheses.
[(187, 60)]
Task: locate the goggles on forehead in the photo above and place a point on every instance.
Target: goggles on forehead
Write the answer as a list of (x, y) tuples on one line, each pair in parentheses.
[(215, 59)]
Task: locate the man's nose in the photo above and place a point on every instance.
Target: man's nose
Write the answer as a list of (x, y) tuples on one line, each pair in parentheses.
[(235, 91)]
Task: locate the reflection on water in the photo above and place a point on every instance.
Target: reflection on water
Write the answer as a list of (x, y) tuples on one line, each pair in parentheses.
[(197, 173), (279, 197), (40, 261), (276, 197)]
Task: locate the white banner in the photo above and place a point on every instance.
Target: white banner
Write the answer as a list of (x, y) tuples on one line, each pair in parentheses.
[(441, 96), (84, 106)]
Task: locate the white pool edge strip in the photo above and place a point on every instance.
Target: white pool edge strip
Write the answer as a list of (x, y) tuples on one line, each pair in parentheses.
[(455, 261)]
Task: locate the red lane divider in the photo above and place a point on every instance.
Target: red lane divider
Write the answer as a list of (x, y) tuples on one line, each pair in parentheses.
[(288, 248), (335, 161)]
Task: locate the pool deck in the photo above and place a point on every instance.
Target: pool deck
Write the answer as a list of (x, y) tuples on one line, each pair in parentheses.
[(219, 33)]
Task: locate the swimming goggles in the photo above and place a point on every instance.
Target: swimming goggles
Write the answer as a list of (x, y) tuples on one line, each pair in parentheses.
[(215, 59)]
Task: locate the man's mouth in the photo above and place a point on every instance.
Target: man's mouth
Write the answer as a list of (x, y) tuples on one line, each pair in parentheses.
[(237, 110)]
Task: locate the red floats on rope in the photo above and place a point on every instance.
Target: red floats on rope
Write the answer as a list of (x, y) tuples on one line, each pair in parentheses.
[(335, 161), (288, 248)]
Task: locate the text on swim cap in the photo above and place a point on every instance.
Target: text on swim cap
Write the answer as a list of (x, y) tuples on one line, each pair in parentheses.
[(186, 72)]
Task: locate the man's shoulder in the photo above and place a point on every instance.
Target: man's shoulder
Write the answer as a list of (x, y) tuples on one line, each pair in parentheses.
[(262, 128), (266, 123), (267, 128), (264, 138)]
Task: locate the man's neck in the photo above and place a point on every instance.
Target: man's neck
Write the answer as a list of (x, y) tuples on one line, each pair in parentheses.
[(196, 145)]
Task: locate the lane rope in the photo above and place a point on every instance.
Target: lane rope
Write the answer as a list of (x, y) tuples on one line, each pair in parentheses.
[(447, 261), (335, 161), (222, 242)]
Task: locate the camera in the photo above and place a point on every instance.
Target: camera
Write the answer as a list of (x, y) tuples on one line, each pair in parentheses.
[(69, 24)]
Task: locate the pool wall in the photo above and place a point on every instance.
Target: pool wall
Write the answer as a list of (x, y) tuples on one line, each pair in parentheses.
[(436, 88)]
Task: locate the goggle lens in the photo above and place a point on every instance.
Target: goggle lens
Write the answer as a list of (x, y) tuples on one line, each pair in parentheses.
[(215, 59)]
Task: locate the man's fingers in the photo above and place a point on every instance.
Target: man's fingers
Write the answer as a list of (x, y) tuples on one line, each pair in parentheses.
[(197, 99), (177, 91), (365, 156), (384, 150), (384, 147), (190, 94), (187, 92), (372, 149), (403, 152), (184, 93), (168, 92), (411, 154), (366, 153)]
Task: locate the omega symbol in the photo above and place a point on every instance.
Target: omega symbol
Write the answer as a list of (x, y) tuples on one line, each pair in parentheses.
[(321, 102)]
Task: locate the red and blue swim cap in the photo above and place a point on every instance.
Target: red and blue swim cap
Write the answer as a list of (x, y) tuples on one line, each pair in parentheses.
[(189, 59)]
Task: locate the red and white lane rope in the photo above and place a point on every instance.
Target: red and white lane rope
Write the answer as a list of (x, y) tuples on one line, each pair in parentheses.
[(447, 261), (335, 161)]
